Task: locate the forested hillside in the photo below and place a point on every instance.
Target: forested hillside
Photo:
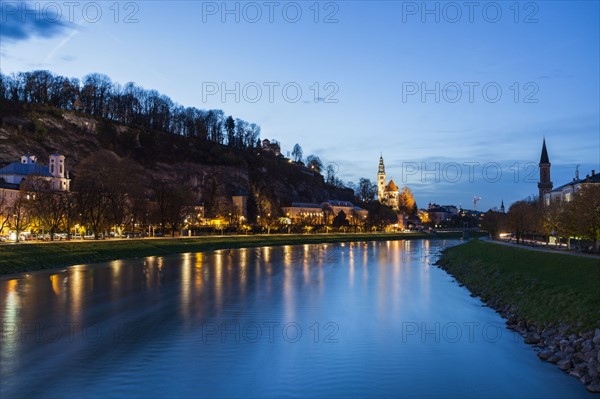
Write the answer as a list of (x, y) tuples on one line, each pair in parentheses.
[(114, 131)]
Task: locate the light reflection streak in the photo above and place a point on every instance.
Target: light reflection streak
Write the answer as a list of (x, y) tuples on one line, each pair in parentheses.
[(218, 279), (198, 273), (186, 285), (351, 265), (10, 318), (75, 286), (56, 282)]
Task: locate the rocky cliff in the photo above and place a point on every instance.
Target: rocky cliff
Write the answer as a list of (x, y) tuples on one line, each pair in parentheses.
[(214, 172)]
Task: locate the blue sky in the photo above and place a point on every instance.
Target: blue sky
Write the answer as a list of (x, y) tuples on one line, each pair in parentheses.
[(432, 86)]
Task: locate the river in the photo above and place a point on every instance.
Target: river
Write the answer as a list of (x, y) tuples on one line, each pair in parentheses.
[(370, 319)]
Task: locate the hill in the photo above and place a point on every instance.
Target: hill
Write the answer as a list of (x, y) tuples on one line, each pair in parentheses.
[(213, 171)]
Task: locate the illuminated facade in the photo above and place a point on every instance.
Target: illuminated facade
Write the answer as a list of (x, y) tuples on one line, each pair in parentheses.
[(389, 193)]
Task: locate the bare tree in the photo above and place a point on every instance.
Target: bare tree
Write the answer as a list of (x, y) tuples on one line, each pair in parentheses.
[(366, 190), (45, 204), (19, 215), (297, 153)]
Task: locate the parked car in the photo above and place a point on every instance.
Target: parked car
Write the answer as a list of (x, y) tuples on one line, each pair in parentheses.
[(60, 236)]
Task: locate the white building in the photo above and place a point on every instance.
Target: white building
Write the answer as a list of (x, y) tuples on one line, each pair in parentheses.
[(55, 172), (566, 192), (389, 193)]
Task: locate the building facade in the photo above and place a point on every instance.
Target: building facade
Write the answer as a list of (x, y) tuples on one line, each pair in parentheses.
[(315, 213), (565, 192), (14, 174), (387, 193), (55, 173)]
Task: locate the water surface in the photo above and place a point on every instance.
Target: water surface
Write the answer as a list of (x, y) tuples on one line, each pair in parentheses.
[(344, 320)]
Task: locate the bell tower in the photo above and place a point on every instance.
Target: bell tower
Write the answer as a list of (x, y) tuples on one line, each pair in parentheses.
[(545, 185), (380, 179)]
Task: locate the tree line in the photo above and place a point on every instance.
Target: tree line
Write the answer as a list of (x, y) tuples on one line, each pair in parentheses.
[(97, 95), (108, 193), (531, 219)]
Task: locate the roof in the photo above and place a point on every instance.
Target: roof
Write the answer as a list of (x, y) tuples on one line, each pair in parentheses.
[(8, 186), (23, 169), (594, 179), (438, 209), (544, 158), (340, 203), (305, 205), (571, 183), (391, 186)]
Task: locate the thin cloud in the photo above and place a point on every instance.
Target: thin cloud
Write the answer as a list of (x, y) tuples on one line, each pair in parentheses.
[(20, 22), (60, 45)]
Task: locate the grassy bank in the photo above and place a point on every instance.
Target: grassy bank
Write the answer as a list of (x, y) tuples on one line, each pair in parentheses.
[(29, 257), (545, 288)]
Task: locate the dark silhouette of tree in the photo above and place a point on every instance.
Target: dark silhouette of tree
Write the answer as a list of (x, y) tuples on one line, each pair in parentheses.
[(380, 215), (4, 209), (327, 210), (93, 188), (330, 172), (494, 222), (314, 163), (584, 212), (98, 96), (297, 153), (171, 200), (251, 209), (19, 214), (46, 205), (366, 190), (524, 217), (340, 220), (230, 129)]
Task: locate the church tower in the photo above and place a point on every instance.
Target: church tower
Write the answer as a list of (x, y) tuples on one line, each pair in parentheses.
[(56, 166), (545, 185), (380, 180)]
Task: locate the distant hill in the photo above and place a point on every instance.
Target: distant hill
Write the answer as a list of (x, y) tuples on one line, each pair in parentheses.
[(214, 171)]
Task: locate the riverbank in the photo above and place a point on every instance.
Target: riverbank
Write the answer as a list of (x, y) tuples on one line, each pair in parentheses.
[(26, 257), (550, 299)]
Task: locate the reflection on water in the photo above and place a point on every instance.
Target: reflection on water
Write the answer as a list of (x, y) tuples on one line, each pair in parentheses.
[(351, 319)]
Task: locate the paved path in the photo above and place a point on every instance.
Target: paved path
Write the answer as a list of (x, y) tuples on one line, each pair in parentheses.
[(542, 249)]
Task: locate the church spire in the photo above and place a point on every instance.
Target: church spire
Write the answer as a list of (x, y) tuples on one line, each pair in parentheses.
[(381, 166), (544, 158), (545, 184)]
